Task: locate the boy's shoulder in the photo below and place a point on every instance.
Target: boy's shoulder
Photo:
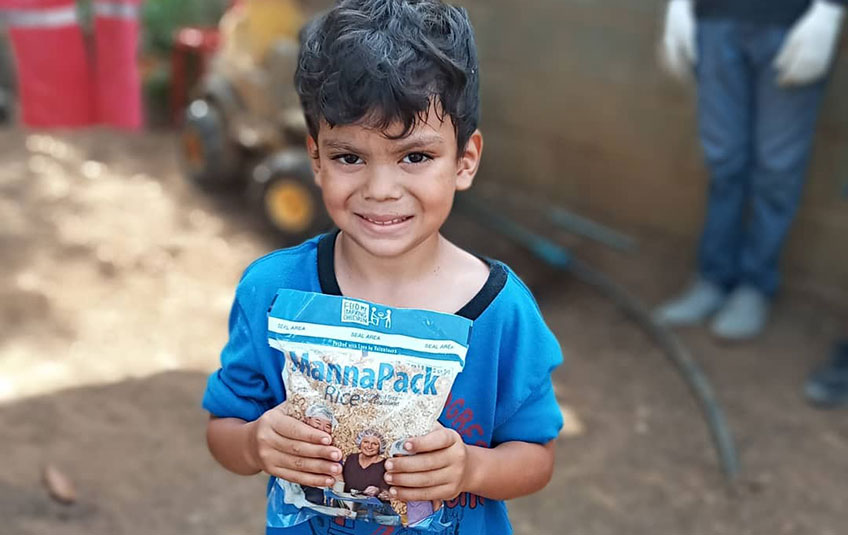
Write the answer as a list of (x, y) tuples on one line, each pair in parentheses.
[(293, 267), (505, 309), (513, 294)]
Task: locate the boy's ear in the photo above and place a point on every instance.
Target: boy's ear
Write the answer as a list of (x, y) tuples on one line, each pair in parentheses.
[(314, 160), (469, 161)]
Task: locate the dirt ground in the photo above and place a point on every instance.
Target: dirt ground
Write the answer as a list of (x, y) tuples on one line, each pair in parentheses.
[(115, 284)]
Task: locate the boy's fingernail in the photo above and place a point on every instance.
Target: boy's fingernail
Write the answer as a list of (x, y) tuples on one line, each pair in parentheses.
[(389, 465), (408, 446), (326, 440), (335, 468), (329, 482), (393, 491), (336, 455), (388, 478)]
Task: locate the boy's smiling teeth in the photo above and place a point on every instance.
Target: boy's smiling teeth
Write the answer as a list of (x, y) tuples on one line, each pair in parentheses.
[(384, 220)]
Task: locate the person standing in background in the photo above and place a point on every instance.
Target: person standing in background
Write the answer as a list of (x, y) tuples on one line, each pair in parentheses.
[(760, 68)]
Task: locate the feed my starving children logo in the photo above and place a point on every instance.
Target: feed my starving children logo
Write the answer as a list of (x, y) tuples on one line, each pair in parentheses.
[(365, 314)]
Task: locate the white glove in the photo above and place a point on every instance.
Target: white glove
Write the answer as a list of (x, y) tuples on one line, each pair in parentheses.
[(808, 50), (678, 51)]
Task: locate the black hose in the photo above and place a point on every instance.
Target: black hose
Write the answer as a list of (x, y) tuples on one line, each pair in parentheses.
[(560, 258), (679, 355)]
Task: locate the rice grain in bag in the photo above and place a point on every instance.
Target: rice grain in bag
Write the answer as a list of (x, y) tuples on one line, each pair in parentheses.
[(372, 376)]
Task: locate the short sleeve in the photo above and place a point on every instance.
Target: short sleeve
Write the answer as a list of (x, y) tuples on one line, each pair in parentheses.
[(538, 419), (239, 388), (527, 408)]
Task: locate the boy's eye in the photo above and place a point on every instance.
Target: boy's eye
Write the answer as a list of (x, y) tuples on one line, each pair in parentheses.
[(348, 159), (416, 157)]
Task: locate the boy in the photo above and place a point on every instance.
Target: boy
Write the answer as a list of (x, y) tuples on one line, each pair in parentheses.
[(389, 89)]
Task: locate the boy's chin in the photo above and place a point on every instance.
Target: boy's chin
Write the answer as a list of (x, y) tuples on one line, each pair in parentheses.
[(385, 247)]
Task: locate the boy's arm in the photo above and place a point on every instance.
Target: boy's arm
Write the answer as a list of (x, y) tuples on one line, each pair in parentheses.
[(509, 470), (229, 442), (443, 466), (526, 419), (277, 444)]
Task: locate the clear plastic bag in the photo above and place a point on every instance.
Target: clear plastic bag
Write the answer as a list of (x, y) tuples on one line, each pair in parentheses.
[(372, 376)]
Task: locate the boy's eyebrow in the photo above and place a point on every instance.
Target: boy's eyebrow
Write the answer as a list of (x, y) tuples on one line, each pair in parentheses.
[(419, 141), (403, 145), (340, 145)]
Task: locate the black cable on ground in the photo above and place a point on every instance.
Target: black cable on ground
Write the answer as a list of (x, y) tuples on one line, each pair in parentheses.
[(677, 353), (560, 258)]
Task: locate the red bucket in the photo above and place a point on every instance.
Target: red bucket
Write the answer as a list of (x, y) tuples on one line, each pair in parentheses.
[(52, 68), (117, 81)]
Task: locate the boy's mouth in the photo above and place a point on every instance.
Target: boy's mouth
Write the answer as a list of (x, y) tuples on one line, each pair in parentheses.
[(384, 220)]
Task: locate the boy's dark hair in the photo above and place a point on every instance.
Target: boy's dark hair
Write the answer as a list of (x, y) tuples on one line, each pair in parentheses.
[(377, 62)]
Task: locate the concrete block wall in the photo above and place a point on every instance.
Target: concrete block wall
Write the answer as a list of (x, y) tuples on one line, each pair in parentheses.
[(576, 110)]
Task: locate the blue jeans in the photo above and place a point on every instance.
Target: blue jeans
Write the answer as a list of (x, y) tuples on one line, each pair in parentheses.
[(756, 139)]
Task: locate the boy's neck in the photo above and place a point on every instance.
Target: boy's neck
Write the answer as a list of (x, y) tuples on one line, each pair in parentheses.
[(356, 268), (420, 278)]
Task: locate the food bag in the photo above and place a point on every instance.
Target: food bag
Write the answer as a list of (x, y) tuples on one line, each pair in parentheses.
[(372, 376)]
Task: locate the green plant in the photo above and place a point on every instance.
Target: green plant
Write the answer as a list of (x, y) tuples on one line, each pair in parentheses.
[(161, 18)]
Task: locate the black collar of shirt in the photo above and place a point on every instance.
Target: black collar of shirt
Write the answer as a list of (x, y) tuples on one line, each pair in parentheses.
[(472, 310)]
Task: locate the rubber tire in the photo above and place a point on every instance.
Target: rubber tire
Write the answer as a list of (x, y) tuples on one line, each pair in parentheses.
[(5, 106), (219, 164), (259, 189)]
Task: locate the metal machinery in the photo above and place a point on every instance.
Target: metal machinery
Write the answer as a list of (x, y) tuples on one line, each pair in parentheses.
[(244, 129)]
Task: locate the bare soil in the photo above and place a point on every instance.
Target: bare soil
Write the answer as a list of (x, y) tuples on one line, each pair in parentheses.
[(115, 284)]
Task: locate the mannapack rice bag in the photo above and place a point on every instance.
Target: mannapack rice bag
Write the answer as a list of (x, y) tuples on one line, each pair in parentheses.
[(372, 376)]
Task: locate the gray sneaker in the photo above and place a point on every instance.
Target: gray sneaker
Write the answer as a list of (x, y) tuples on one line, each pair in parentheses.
[(743, 316), (700, 301)]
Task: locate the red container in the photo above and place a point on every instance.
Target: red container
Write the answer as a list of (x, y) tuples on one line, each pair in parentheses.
[(52, 68), (117, 81)]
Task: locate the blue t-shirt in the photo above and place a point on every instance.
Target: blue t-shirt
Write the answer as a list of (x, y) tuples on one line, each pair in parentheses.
[(503, 394)]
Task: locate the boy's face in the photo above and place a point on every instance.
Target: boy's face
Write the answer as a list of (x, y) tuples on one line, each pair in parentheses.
[(391, 195)]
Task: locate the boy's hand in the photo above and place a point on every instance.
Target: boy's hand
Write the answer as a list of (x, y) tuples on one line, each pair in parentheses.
[(436, 469), (287, 448)]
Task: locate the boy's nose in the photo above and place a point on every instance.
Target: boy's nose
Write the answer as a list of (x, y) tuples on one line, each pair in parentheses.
[(382, 184)]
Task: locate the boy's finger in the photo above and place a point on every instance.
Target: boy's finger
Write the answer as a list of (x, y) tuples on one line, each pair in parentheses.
[(311, 480), (438, 439), (416, 463), (299, 448), (441, 492), (431, 478), (311, 466), (296, 430)]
